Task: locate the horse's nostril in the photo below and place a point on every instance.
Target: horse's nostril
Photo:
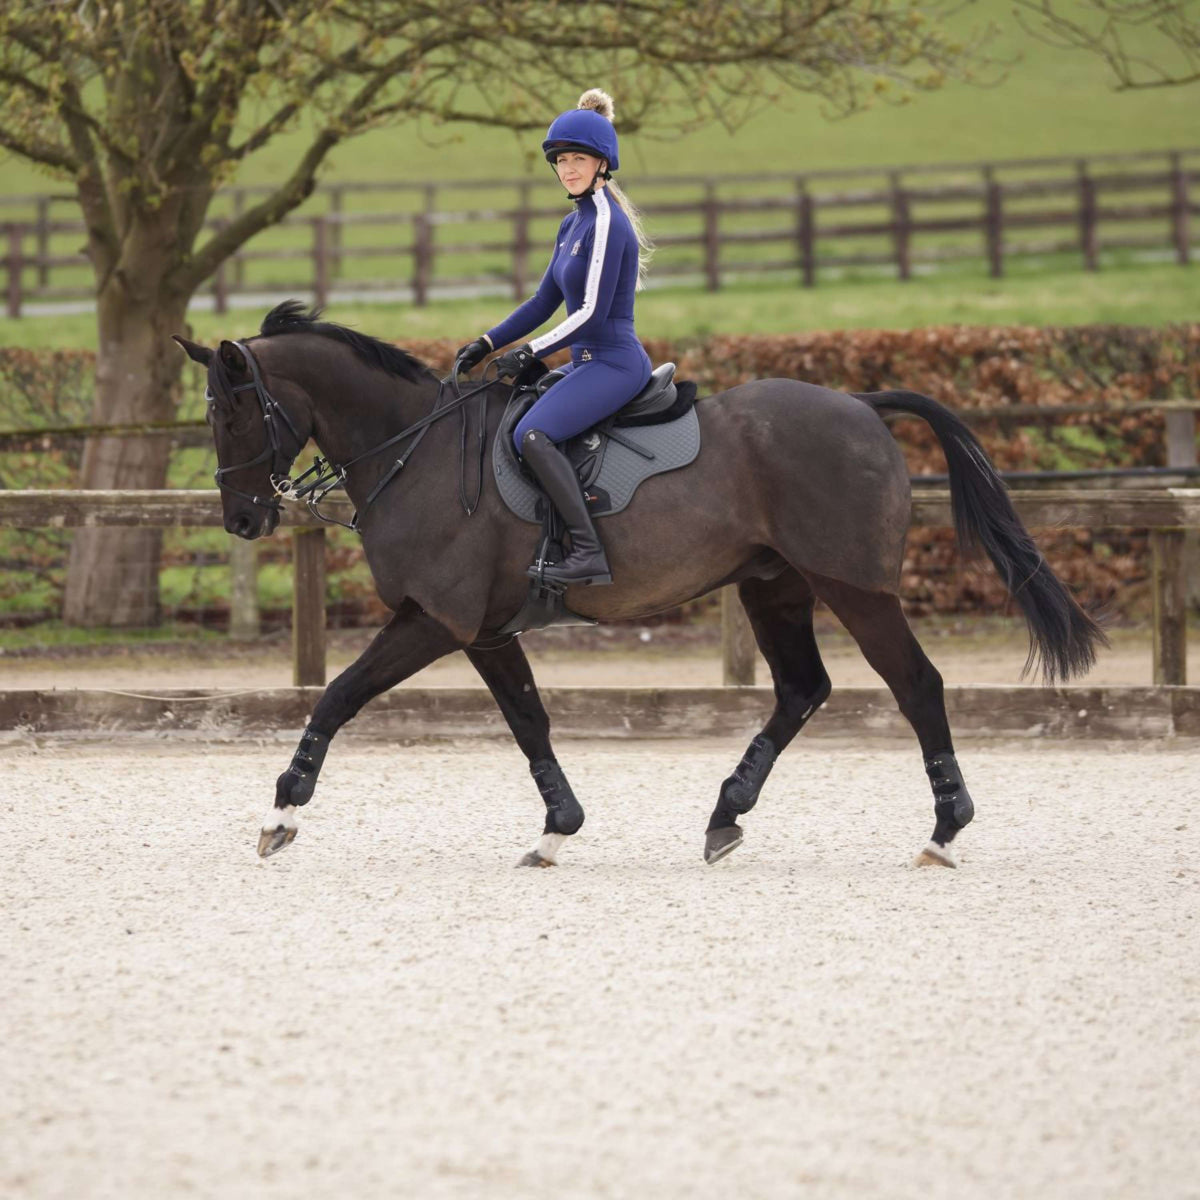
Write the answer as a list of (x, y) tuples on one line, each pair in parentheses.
[(241, 526)]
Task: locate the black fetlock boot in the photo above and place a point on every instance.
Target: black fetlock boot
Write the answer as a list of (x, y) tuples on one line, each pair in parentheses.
[(587, 562)]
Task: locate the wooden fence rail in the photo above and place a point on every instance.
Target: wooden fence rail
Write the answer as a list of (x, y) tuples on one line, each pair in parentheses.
[(1167, 513), (799, 226)]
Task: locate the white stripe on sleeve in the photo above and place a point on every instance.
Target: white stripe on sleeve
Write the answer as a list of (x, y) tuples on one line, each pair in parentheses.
[(591, 289)]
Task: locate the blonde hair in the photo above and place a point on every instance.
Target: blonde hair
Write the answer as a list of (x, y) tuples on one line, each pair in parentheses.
[(600, 101)]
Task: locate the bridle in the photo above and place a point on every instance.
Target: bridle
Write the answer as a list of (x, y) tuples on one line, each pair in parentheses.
[(272, 413), (326, 476)]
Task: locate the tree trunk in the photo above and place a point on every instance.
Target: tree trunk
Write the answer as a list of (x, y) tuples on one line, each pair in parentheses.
[(112, 574)]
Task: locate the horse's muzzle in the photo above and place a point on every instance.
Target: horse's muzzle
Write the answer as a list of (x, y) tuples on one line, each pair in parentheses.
[(251, 525)]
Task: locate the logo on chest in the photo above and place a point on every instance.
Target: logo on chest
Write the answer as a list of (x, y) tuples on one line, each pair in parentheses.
[(575, 248)]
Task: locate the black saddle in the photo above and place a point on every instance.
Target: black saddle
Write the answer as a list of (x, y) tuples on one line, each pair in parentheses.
[(654, 404)]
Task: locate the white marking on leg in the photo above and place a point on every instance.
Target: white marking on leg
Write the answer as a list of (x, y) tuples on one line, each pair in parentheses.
[(548, 845), (280, 816), (935, 855)]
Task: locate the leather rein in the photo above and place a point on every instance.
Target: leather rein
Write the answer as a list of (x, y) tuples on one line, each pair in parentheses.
[(326, 476)]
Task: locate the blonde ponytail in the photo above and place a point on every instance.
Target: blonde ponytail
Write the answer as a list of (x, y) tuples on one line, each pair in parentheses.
[(645, 245)]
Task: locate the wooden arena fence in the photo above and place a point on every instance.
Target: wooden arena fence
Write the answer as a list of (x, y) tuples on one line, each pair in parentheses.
[(1168, 513), (710, 227)]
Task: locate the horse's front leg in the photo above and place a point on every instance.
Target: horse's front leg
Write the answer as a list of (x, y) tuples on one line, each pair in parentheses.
[(409, 641), (506, 671)]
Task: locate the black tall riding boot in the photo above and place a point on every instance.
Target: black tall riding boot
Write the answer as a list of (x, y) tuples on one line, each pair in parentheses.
[(587, 562)]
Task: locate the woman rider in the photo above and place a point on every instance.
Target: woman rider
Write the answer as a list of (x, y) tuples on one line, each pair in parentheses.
[(595, 268)]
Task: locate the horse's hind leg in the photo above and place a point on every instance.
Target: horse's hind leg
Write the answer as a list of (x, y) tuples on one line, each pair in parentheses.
[(780, 612), (505, 670), (409, 641), (877, 624)]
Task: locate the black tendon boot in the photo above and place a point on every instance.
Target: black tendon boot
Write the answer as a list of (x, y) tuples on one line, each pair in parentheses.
[(587, 562)]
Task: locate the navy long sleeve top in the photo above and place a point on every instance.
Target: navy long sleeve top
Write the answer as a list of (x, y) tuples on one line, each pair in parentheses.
[(594, 269)]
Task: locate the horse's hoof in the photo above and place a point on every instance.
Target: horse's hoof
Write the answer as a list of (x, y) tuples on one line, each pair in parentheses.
[(534, 859), (935, 856), (545, 853), (279, 830), (720, 842)]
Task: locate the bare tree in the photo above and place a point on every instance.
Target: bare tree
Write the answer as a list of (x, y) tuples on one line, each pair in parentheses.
[(1146, 43), (149, 106)]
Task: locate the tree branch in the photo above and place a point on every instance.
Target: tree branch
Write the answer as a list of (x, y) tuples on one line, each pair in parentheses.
[(49, 154), (1176, 22), (274, 208), (71, 103)]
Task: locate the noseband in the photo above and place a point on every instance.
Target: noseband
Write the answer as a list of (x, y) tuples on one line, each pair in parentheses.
[(272, 413)]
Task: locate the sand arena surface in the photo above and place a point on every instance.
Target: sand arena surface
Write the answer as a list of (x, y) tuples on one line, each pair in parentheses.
[(389, 1009)]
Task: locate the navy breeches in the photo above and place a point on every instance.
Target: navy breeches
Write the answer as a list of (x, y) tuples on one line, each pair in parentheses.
[(590, 392)]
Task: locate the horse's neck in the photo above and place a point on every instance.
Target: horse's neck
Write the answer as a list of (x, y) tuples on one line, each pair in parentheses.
[(352, 420)]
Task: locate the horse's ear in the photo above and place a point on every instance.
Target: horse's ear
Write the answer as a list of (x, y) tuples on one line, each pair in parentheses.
[(232, 358), (196, 352)]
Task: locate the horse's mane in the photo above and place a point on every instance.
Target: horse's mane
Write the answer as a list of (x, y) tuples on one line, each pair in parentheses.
[(292, 317)]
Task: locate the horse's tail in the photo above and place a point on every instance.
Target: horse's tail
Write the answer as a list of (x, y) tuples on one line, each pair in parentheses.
[(1061, 635)]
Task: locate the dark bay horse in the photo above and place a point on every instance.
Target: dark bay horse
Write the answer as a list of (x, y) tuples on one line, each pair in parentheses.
[(798, 492)]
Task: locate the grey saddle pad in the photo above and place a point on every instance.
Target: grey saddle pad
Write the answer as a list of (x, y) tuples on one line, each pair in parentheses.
[(673, 445)]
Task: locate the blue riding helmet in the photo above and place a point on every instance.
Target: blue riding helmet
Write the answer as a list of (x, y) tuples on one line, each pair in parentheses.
[(582, 129)]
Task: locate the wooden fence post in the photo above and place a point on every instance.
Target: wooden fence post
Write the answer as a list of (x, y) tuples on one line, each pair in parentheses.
[(423, 245), (993, 223), (422, 253), (712, 241), (1087, 217), (320, 251), (239, 263), (1170, 606), (308, 608), (220, 288), (738, 647), (244, 620), (805, 235), (901, 228), (1179, 427), (15, 263), (421, 257), (521, 242), (335, 231), (1179, 211), (43, 240)]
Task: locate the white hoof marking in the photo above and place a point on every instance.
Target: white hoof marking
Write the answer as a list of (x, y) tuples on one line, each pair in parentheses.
[(280, 816), (548, 846), (935, 856)]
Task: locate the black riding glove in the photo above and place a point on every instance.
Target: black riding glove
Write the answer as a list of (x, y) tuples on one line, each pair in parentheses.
[(513, 362), (472, 354)]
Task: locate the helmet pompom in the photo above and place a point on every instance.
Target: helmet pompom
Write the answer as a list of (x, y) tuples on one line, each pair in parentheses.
[(598, 101)]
